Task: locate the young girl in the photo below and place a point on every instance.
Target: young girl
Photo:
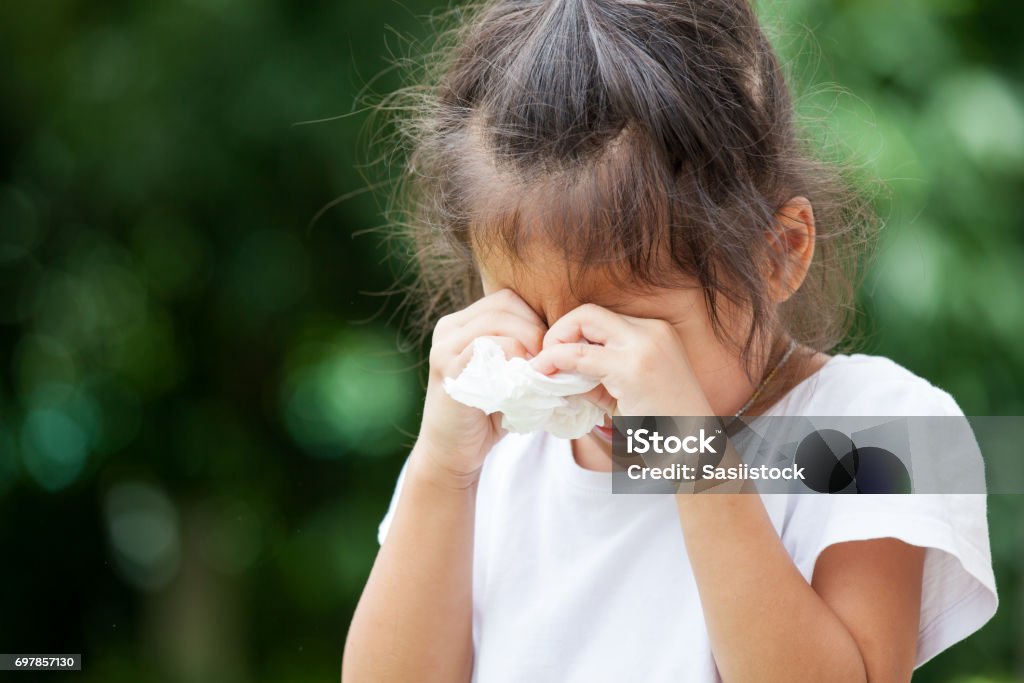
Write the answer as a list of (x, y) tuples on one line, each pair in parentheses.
[(616, 188)]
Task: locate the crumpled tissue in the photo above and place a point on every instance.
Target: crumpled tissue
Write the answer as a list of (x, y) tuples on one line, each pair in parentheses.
[(527, 399)]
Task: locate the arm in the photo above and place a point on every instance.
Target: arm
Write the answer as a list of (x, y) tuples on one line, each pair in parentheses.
[(890, 572), (413, 621), (857, 621)]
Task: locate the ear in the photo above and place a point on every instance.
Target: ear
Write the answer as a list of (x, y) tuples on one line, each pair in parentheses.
[(792, 240)]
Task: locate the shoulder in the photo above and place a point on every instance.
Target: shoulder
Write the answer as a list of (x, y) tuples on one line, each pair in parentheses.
[(862, 384)]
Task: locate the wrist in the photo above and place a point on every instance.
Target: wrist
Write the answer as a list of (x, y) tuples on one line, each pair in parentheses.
[(428, 465)]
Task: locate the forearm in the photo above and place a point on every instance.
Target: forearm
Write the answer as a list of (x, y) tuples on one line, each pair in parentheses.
[(765, 622), (414, 619)]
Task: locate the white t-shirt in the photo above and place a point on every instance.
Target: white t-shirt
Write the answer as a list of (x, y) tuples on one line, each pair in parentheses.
[(572, 583)]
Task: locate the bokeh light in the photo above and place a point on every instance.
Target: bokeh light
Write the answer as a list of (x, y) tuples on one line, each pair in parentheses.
[(350, 392), (53, 448), (143, 527)]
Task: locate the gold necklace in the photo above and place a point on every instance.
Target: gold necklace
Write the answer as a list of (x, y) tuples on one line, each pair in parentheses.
[(764, 382)]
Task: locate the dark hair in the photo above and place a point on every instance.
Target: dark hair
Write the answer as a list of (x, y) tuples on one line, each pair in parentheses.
[(656, 136)]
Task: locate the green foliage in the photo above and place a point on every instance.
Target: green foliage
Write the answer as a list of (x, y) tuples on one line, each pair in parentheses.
[(202, 411)]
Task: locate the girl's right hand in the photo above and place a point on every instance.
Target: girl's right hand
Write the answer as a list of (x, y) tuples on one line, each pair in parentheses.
[(454, 438)]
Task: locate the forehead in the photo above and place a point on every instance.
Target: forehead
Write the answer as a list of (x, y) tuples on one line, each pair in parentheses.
[(552, 285)]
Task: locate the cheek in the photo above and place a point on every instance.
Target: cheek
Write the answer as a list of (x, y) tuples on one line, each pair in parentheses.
[(687, 310)]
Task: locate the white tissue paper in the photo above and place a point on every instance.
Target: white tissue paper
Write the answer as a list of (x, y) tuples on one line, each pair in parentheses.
[(527, 399)]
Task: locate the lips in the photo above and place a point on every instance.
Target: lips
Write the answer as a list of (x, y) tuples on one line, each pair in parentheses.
[(606, 430)]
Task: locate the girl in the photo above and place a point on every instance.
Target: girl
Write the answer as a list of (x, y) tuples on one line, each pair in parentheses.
[(617, 188)]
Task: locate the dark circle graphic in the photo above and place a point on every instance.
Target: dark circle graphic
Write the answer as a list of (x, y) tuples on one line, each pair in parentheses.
[(828, 458), (844, 475), (880, 471), (832, 463)]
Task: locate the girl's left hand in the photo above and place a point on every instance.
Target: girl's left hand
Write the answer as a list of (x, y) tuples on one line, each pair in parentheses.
[(641, 362)]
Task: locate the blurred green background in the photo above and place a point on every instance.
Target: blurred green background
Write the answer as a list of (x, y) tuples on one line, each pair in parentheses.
[(202, 403)]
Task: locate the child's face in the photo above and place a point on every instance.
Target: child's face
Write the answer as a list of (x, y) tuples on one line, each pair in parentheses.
[(543, 283), (541, 278)]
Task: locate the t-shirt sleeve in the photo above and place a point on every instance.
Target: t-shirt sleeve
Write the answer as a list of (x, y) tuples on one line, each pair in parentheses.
[(959, 589), (385, 523)]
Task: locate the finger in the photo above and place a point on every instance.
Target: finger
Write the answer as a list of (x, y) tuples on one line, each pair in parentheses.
[(458, 363), (498, 324), (502, 300), (513, 348), (600, 397), (592, 360), (588, 322)]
